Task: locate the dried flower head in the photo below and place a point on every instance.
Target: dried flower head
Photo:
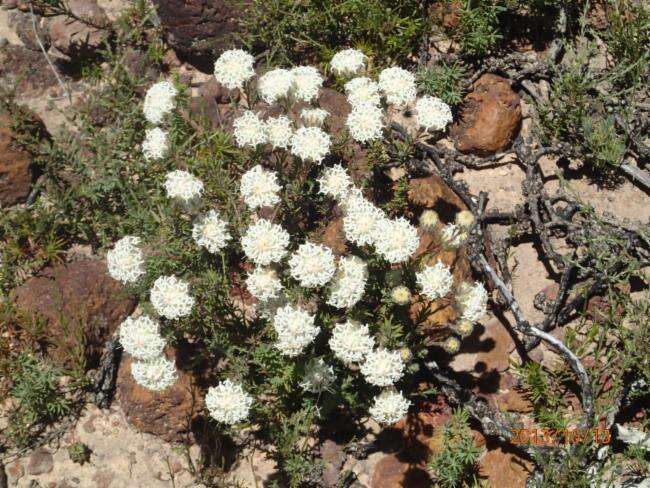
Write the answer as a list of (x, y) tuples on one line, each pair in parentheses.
[(453, 236), (451, 345), (464, 328), (401, 295), (319, 376), (429, 220), (465, 219)]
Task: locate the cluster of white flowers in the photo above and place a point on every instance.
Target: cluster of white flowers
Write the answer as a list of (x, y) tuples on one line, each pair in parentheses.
[(335, 182), (313, 117), (228, 402), (312, 265), (319, 376), (395, 240), (435, 281), (429, 220), (310, 144), (453, 235), (155, 144), (389, 407), (259, 187), (360, 220), (351, 342), (125, 261), (156, 374), (140, 337), (383, 367), (432, 113), (362, 91), (159, 101), (307, 80), (263, 283), (279, 131), (265, 242), (275, 85), (249, 130), (348, 62), (401, 295), (472, 301), (211, 232), (398, 86), (295, 329), (349, 282), (233, 68), (365, 122), (170, 297), (183, 186)]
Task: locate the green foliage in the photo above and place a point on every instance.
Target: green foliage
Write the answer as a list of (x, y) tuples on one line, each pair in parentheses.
[(456, 465), (40, 400), (314, 30), (442, 80), (79, 453), (478, 29)]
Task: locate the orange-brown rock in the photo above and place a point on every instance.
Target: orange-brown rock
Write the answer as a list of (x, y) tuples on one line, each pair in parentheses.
[(503, 468), (15, 166), (80, 307), (391, 472), (490, 117), (169, 413), (334, 238)]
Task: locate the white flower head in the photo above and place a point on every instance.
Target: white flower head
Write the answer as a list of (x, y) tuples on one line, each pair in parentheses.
[(183, 186), (401, 295), (274, 85), (211, 232), (365, 122), (155, 145), (349, 282), (263, 284), (141, 338), (295, 328), (432, 113), (351, 342), (395, 240), (306, 82), (451, 345), (249, 130), (156, 374), (228, 402), (260, 187), (464, 328), (348, 62), (279, 131), (362, 91), (159, 101), (360, 219), (435, 281), (310, 144), (265, 242), (398, 85), (383, 367), (170, 297), (125, 261), (312, 265), (319, 376), (465, 219), (453, 236), (313, 117), (335, 182), (390, 406), (472, 301), (233, 68)]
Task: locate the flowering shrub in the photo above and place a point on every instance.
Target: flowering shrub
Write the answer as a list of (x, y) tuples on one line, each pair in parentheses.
[(286, 323)]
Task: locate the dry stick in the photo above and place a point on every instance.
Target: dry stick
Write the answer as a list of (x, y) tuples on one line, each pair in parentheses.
[(523, 326), (636, 175), (47, 58)]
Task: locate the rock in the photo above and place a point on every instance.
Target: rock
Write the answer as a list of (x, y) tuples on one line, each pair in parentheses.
[(199, 29), (75, 38), (16, 166), (213, 102), (22, 24), (81, 305), (338, 107), (510, 397), (391, 471), (40, 462), (334, 238), (25, 70), (504, 469), (168, 414), (490, 117), (333, 455)]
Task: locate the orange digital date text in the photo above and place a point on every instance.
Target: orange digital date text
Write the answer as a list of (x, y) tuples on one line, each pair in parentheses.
[(552, 437)]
